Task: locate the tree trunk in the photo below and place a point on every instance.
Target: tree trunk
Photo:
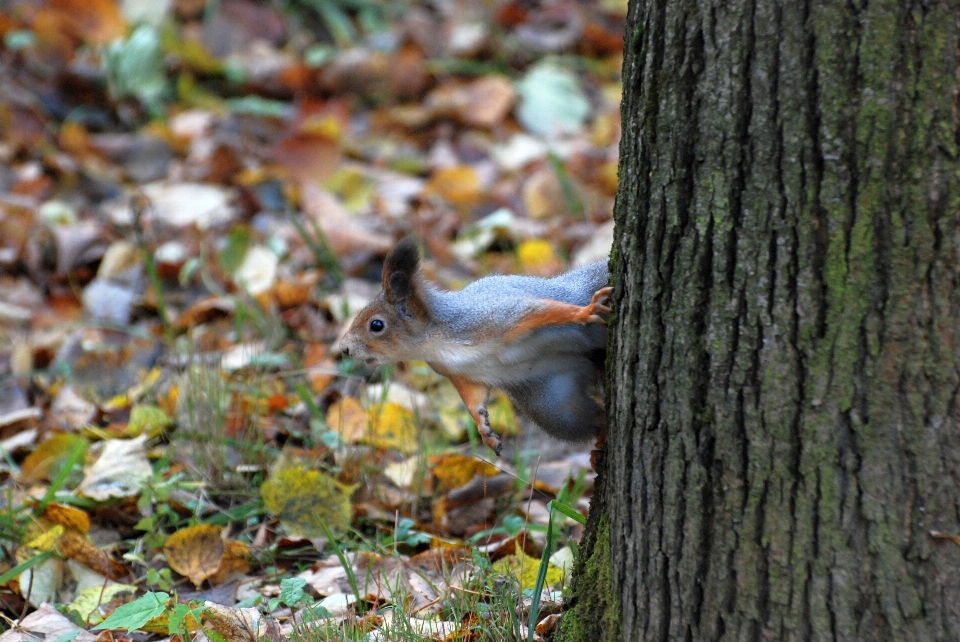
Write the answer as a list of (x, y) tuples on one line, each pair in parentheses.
[(784, 450)]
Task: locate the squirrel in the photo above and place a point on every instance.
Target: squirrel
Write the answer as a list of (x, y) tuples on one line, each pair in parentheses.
[(537, 339)]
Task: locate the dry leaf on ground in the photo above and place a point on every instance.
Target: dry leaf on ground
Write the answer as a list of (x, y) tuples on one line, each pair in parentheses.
[(120, 471)]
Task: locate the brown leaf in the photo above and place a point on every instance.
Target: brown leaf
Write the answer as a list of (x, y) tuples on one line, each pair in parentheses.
[(78, 548), (206, 310), (345, 235), (320, 366), (294, 291), (488, 101), (307, 156), (543, 195), (348, 419), (94, 21), (236, 561), (410, 75), (195, 552)]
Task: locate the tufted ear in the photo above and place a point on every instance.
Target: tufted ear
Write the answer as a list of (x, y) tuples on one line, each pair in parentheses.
[(400, 279)]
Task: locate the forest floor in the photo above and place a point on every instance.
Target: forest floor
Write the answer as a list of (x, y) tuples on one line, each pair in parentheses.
[(195, 199)]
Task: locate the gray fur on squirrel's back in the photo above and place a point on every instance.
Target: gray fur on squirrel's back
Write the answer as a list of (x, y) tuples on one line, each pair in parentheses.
[(508, 297)]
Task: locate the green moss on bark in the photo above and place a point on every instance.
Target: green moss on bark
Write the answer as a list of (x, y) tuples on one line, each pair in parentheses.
[(595, 595)]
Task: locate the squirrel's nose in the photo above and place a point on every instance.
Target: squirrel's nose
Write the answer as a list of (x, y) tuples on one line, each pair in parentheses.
[(345, 350)]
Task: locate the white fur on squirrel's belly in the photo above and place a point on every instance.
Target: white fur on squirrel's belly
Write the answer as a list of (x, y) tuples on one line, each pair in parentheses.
[(492, 363)]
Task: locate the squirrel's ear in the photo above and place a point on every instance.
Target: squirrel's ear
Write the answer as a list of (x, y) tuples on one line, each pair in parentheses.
[(399, 278)]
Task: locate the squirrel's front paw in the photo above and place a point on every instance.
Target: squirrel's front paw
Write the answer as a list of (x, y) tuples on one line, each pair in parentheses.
[(487, 435), (589, 312)]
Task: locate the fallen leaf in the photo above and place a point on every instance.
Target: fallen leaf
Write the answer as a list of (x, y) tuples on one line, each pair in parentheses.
[(94, 21), (240, 625), (45, 461), (320, 366), (46, 623), (149, 420), (258, 270), (345, 235), (195, 552), (294, 291), (536, 257), (307, 156), (458, 185), (235, 562), (41, 583), (543, 196), (453, 471), (305, 499), (206, 310), (488, 101), (548, 625), (121, 470), (348, 419), (109, 301), (43, 541), (89, 600), (67, 516), (119, 258), (525, 569), (551, 101), (75, 546), (392, 426), (182, 205)]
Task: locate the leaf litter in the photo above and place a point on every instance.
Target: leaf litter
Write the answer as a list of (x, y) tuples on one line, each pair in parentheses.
[(195, 198)]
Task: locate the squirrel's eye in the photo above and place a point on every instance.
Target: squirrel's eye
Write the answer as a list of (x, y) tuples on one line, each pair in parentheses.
[(377, 326)]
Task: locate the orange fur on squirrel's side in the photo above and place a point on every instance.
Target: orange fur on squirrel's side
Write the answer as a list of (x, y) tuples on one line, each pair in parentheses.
[(537, 339)]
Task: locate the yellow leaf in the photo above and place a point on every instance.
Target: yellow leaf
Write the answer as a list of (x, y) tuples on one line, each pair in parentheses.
[(392, 426), (68, 517), (353, 187), (459, 185), (453, 470), (525, 569), (46, 540), (149, 419), (168, 401), (537, 257), (306, 499), (327, 125), (195, 552), (87, 603)]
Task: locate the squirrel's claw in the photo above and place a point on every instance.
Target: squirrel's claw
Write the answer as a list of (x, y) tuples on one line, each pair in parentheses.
[(487, 436), (591, 309)]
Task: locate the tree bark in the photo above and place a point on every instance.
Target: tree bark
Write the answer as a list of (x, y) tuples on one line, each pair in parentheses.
[(783, 425)]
